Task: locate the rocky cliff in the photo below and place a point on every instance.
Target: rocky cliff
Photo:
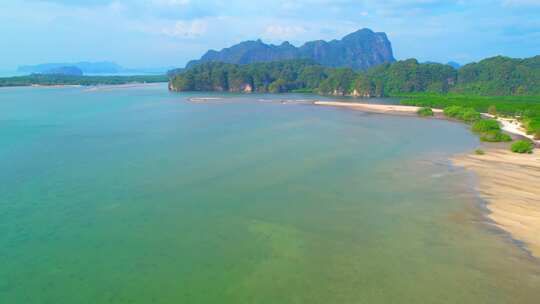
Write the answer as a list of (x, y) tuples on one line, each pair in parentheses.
[(359, 50)]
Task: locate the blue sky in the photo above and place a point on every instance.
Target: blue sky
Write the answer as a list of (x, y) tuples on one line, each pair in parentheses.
[(150, 33)]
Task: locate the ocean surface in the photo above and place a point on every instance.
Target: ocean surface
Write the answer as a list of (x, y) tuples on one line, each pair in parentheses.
[(136, 195)]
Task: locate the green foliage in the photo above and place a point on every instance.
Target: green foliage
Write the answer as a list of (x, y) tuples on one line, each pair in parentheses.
[(537, 134), (470, 115), (501, 76), (465, 114), (492, 110), (409, 76), (453, 111), (525, 107), (273, 77), (495, 136), (493, 76), (486, 125), (303, 90), (522, 146), (490, 131), (425, 112), (479, 152), (532, 123), (49, 80), (339, 82)]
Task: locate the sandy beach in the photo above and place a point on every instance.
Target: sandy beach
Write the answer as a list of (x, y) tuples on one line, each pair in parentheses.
[(509, 183), (375, 108)]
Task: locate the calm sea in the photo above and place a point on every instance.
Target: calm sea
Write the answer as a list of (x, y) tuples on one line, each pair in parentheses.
[(134, 195)]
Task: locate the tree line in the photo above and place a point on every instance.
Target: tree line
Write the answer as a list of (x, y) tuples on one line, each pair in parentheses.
[(497, 76)]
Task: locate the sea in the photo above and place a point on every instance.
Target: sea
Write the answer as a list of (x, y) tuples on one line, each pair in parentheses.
[(134, 194)]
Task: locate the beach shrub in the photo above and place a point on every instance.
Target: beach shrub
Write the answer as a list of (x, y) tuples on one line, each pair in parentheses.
[(486, 125), (453, 111), (462, 113), (425, 112), (495, 136), (479, 152), (492, 110), (522, 146), (470, 115)]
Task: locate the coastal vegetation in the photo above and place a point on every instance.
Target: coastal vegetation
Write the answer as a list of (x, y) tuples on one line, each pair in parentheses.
[(425, 112), (522, 146), (497, 76), (271, 77), (524, 108), (479, 152), (495, 136), (490, 131), (486, 125), (57, 79), (466, 114)]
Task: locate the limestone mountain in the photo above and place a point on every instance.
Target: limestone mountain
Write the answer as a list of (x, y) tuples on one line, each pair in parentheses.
[(359, 50)]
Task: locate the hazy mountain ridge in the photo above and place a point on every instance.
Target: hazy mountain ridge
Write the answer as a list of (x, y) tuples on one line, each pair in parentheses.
[(102, 67), (86, 67), (359, 50), (65, 70)]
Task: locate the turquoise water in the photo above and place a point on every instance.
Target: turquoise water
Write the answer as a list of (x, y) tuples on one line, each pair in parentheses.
[(136, 196)]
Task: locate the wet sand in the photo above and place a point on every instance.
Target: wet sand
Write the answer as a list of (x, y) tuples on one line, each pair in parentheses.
[(510, 183)]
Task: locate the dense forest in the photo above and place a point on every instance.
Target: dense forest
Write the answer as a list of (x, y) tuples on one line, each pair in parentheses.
[(495, 76), (49, 80)]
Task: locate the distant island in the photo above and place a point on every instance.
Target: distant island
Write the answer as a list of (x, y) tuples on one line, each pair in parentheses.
[(81, 73), (104, 67), (359, 51), (56, 79), (90, 68), (64, 70)]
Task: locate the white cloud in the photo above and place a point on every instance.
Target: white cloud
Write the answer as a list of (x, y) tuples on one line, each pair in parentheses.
[(187, 29)]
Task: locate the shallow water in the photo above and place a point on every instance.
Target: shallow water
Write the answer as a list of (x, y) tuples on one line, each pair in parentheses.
[(136, 196)]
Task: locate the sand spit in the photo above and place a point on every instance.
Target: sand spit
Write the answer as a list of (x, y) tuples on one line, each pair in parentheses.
[(376, 108)]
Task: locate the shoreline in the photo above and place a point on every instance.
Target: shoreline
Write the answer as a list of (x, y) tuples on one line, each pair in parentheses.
[(59, 86), (510, 126), (506, 181), (376, 108)]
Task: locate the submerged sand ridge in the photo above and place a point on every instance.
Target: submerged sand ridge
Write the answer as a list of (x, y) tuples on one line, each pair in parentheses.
[(510, 183)]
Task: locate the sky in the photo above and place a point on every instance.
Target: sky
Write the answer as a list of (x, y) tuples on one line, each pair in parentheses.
[(168, 33)]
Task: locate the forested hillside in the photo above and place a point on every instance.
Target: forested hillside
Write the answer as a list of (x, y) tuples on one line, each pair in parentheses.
[(495, 76)]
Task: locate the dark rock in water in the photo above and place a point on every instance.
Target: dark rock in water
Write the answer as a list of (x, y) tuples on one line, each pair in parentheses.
[(66, 71), (359, 50)]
